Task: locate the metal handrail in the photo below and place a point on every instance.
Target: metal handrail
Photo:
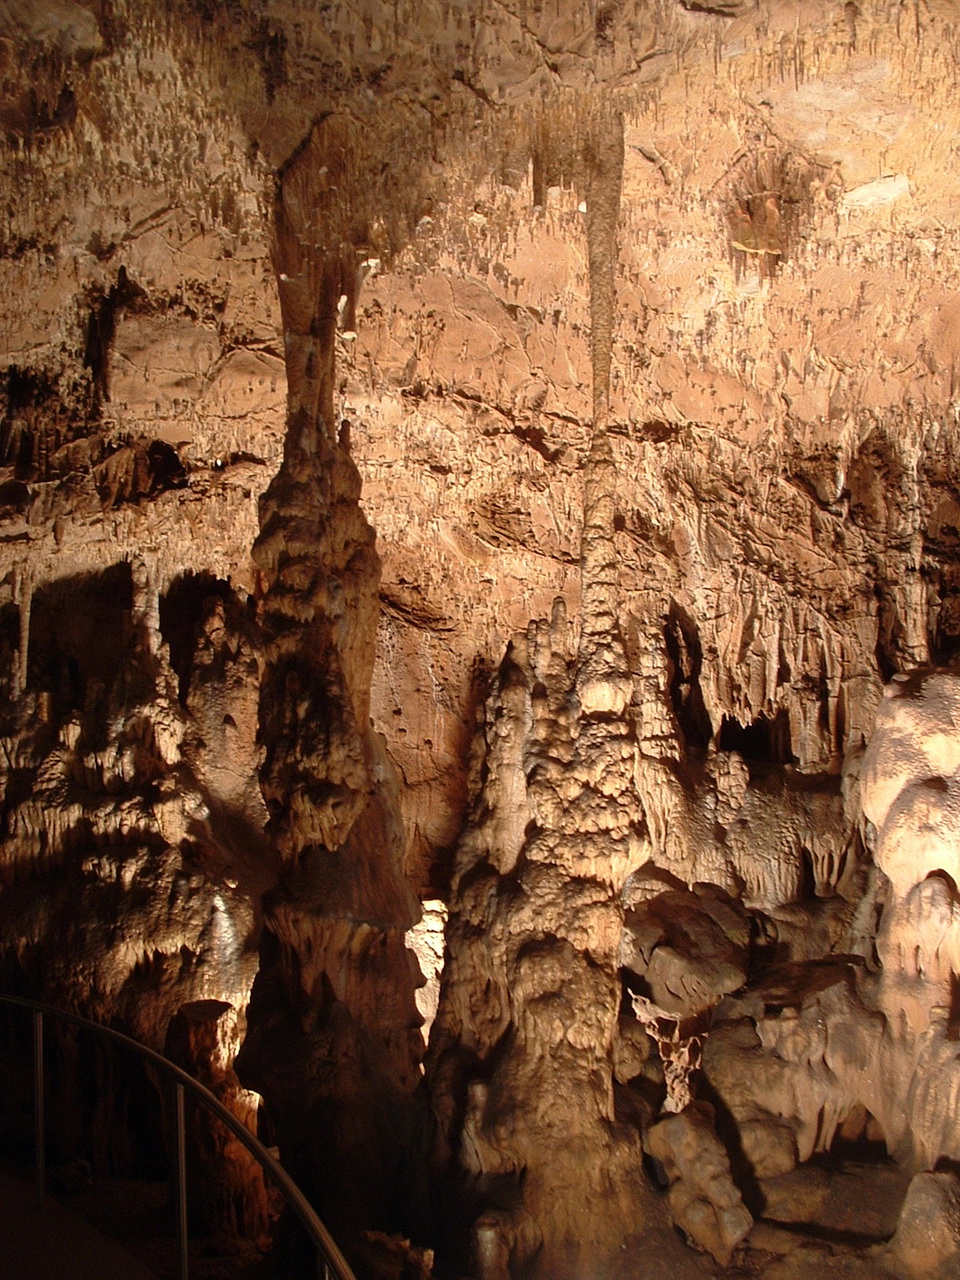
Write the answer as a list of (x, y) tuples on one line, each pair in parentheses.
[(331, 1264)]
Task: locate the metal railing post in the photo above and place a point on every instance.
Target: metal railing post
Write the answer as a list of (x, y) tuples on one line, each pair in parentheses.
[(182, 1230), (39, 1122), (332, 1265)]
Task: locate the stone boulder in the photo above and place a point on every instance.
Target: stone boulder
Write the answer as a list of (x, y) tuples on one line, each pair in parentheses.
[(926, 1245), (689, 946), (703, 1199)]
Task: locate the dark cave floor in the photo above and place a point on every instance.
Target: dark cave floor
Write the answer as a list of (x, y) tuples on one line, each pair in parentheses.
[(827, 1219)]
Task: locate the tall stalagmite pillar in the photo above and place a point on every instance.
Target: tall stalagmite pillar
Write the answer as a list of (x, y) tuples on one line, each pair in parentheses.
[(521, 1060), (333, 1044)]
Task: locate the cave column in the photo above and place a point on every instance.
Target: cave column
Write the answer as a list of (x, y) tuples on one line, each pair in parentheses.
[(23, 596), (333, 1044), (532, 992)]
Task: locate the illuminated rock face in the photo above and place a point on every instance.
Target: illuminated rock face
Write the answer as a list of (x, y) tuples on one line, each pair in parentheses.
[(501, 458)]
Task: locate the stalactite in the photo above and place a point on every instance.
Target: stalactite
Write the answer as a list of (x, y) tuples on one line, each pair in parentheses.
[(690, 371), (603, 681)]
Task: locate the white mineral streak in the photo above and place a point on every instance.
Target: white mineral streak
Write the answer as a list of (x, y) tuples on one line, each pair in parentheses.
[(425, 940)]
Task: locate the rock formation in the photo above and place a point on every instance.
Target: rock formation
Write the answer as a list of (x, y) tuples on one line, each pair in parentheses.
[(225, 1185), (333, 1039), (503, 455)]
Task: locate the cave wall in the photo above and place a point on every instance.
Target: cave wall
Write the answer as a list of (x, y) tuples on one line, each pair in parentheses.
[(497, 455), (142, 415)]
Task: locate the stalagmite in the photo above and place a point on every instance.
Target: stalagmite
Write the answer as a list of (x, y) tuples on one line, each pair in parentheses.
[(335, 986)]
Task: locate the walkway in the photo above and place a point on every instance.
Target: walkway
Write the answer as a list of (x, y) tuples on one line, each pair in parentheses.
[(53, 1243)]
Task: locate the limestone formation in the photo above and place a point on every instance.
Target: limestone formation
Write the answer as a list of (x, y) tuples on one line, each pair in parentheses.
[(704, 1201), (927, 1240), (225, 1184), (690, 949), (502, 457)]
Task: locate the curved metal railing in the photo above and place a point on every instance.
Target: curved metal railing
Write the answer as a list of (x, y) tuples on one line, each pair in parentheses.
[(331, 1264)]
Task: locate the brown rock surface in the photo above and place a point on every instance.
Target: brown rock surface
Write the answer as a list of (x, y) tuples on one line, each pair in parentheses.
[(927, 1239), (704, 1201), (225, 1184), (339, 346), (690, 949)]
